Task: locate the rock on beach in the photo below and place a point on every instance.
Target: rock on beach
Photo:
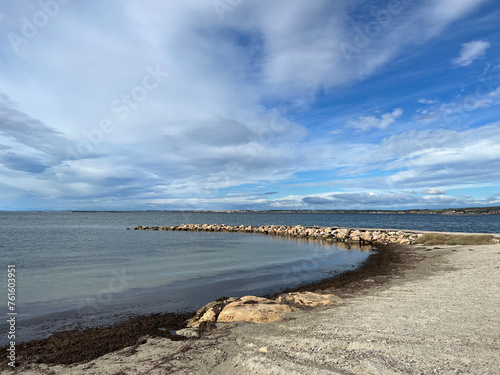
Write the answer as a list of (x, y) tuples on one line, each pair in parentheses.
[(258, 309)]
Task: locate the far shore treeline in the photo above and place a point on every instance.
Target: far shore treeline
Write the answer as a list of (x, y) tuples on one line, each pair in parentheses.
[(445, 211)]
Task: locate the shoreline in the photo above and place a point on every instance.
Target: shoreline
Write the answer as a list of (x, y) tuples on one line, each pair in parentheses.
[(471, 211), (381, 263), (381, 268), (289, 266)]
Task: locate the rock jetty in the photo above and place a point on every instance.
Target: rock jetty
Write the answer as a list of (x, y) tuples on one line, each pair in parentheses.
[(330, 234)]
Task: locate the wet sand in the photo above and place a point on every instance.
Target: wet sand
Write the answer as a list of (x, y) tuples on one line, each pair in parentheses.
[(412, 309)]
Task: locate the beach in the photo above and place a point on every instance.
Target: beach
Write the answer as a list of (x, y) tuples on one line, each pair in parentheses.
[(432, 311), (250, 187)]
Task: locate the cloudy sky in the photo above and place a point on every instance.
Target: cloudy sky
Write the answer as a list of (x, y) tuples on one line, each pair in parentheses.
[(249, 104)]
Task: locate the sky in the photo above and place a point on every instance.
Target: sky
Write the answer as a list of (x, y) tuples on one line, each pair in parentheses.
[(249, 104)]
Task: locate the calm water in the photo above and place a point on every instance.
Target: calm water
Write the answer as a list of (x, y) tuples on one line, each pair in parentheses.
[(84, 269)]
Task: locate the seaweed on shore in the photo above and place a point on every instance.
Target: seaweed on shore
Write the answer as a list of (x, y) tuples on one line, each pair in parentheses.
[(74, 346), (387, 261)]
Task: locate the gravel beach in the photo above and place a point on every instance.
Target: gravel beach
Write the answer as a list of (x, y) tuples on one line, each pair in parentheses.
[(435, 314)]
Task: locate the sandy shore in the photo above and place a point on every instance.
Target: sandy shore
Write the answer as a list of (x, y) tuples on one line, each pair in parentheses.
[(438, 316)]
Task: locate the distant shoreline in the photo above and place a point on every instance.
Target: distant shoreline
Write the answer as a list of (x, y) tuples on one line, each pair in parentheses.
[(471, 211), (458, 211)]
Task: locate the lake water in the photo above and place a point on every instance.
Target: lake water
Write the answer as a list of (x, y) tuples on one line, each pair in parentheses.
[(85, 269)]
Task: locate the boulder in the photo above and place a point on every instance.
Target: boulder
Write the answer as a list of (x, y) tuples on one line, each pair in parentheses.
[(367, 236), (382, 238), (355, 235), (403, 241), (210, 312), (308, 299), (188, 332), (253, 309), (342, 234)]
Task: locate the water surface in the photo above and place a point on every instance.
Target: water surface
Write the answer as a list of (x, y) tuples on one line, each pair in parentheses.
[(85, 269)]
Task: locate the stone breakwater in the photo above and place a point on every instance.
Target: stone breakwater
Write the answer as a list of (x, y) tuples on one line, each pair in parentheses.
[(331, 234)]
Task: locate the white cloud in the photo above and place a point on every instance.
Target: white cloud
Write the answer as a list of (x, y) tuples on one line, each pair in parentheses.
[(221, 119), (455, 112), (448, 10), (381, 200), (381, 122), (434, 191), (471, 51), (495, 93), (428, 101), (443, 158)]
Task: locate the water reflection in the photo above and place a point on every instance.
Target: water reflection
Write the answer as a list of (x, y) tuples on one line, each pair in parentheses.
[(326, 244)]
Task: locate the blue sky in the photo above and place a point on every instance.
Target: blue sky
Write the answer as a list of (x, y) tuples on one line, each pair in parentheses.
[(240, 104)]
